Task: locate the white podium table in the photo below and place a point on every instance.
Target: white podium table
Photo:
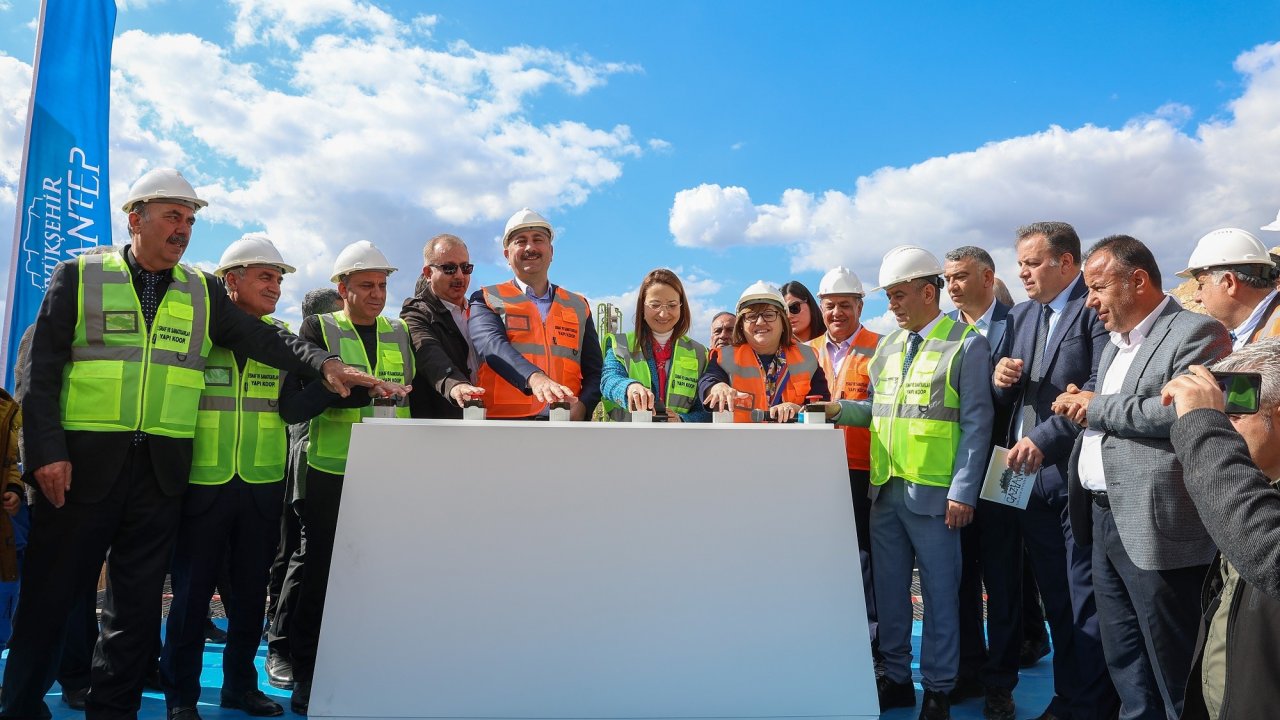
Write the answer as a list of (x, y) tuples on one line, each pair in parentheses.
[(594, 570)]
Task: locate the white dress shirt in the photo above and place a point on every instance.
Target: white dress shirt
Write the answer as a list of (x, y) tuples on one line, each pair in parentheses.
[(1092, 475)]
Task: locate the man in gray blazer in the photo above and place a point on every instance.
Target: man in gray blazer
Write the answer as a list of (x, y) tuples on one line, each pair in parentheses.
[(1150, 550)]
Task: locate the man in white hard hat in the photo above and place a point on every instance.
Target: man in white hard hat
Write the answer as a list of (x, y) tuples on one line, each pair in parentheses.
[(722, 329), (1127, 498), (844, 351), (930, 419), (231, 511), (365, 338), (558, 359), (1056, 343), (116, 370), (1236, 283), (437, 319)]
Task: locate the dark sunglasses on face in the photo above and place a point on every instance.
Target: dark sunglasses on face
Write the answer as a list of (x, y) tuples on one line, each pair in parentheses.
[(452, 268), (794, 308)]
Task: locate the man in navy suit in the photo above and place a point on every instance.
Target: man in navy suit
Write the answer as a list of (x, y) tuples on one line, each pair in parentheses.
[(1056, 341), (971, 282)]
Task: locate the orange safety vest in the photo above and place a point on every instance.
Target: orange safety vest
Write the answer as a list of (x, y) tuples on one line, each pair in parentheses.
[(852, 383), (555, 346), (745, 375), (1269, 323)]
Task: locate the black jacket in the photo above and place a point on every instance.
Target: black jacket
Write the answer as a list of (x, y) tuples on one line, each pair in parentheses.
[(97, 457), (1241, 509), (440, 353)]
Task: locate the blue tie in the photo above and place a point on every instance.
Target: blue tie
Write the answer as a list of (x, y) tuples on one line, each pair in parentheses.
[(913, 345)]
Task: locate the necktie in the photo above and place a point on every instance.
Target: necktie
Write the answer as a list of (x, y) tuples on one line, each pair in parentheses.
[(1232, 334), (913, 345), (662, 360), (149, 299), (1033, 379), (150, 302)]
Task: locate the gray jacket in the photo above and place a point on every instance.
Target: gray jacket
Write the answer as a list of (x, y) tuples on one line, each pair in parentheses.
[(1153, 512)]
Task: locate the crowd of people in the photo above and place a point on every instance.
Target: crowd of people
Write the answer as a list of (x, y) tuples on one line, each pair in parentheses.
[(171, 426)]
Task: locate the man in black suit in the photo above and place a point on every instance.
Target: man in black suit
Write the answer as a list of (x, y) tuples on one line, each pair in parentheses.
[(437, 319), (971, 279), (129, 447), (1057, 341)]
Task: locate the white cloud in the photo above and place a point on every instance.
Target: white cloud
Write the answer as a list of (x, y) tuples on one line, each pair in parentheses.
[(282, 21), (659, 145), (1148, 179), (737, 146)]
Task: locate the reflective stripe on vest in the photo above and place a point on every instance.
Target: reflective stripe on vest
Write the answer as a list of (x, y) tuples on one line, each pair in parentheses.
[(239, 430), (553, 345), (331, 430), (123, 378), (851, 383), (688, 360), (745, 375), (915, 422)]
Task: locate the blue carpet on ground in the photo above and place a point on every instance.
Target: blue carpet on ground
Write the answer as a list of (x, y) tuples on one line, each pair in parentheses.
[(1032, 695)]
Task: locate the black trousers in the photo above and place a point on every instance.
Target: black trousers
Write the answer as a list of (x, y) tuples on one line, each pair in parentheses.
[(76, 664), (285, 604), (66, 548), (1149, 621), (222, 526), (320, 518)]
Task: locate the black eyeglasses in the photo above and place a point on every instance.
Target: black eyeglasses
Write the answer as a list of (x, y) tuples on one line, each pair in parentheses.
[(794, 308), (452, 268)]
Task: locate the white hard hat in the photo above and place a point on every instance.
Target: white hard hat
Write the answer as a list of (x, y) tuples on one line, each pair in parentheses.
[(358, 257), (840, 281), (163, 184), (252, 249), (761, 292), (907, 262), (1228, 246), (1273, 226), (526, 218)]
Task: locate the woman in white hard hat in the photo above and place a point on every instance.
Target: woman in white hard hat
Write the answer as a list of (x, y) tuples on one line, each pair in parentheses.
[(803, 312), (656, 367), (765, 370)]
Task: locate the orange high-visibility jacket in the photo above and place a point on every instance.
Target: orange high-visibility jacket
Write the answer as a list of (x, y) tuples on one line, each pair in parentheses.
[(851, 383), (555, 346), (745, 375), (1269, 324)]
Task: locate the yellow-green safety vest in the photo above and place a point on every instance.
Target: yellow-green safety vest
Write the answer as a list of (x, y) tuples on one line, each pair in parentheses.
[(688, 360), (331, 429), (123, 378), (239, 430), (915, 422)]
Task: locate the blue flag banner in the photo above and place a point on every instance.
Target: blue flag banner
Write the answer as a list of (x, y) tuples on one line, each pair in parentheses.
[(63, 205)]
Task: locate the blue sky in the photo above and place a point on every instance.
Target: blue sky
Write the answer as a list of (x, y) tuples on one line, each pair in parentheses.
[(731, 141)]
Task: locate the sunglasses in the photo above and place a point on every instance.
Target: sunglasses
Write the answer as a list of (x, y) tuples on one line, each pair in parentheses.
[(794, 308), (452, 268)]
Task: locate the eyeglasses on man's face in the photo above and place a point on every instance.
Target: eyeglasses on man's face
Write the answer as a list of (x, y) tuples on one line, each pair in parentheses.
[(765, 316), (453, 268)]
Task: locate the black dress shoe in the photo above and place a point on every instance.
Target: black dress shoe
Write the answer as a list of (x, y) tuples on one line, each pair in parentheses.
[(74, 699), (253, 702), (301, 698), (213, 633), (183, 713), (966, 688), (895, 694), (1032, 650), (936, 706), (999, 704), (279, 671)]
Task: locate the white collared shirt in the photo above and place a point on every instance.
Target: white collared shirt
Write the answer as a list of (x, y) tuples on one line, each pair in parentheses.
[(460, 314), (1092, 474), (1246, 328), (983, 324)]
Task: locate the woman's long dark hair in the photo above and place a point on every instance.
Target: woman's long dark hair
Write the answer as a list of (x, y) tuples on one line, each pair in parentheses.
[(795, 288)]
